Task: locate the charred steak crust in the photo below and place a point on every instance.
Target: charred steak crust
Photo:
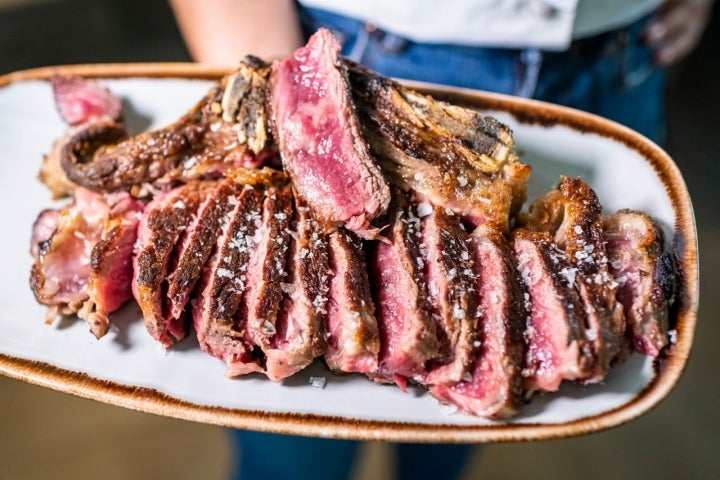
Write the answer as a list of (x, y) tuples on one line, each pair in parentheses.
[(572, 214), (353, 342), (111, 264), (495, 385), (452, 293), (267, 268), (224, 280), (557, 345), (646, 275), (408, 332), (200, 240), (201, 144), (299, 332), (453, 156), (160, 230), (315, 126)]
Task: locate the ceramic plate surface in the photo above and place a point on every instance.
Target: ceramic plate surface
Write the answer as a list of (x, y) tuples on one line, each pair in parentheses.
[(127, 368)]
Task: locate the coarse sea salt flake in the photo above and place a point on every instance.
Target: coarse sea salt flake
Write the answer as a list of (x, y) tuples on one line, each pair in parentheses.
[(424, 209), (224, 273), (318, 382)]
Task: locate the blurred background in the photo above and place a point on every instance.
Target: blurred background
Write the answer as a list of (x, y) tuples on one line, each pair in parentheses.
[(51, 435)]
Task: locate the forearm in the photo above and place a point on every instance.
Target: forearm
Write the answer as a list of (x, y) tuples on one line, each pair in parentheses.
[(221, 32)]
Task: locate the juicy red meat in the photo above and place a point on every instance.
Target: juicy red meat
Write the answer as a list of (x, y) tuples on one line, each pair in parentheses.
[(646, 275), (452, 293), (353, 340), (408, 333), (83, 256), (200, 238), (495, 384), (223, 282), (266, 272), (80, 100), (319, 138), (161, 229), (111, 263), (300, 334), (62, 269), (571, 213), (557, 344)]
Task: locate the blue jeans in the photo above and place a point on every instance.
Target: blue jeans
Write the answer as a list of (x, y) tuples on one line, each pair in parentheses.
[(611, 75), (261, 456)]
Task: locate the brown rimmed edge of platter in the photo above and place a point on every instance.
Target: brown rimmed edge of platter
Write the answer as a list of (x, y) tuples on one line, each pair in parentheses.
[(667, 371)]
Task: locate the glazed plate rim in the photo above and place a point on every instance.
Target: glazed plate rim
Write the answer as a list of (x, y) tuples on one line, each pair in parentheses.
[(524, 112)]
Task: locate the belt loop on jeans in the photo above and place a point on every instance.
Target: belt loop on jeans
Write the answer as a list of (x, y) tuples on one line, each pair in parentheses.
[(531, 60), (361, 43)]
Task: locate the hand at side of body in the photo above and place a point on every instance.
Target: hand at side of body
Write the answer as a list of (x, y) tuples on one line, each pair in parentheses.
[(677, 29)]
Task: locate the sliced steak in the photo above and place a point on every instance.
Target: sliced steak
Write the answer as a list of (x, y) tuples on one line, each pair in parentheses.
[(80, 100), (316, 129), (201, 144), (558, 347), (199, 241), (408, 332), (299, 332), (267, 268), (646, 274), (62, 244), (454, 156), (353, 342), (452, 293), (166, 218), (111, 263), (92, 112), (495, 386), (220, 332), (572, 214)]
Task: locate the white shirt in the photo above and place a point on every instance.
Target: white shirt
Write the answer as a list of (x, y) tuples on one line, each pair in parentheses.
[(544, 24)]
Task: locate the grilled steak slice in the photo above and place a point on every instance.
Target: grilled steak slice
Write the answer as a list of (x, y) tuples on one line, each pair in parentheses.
[(62, 269), (201, 144), (408, 332), (81, 100), (161, 229), (557, 345), (300, 336), (86, 107), (454, 156), (571, 213), (495, 386), (200, 238), (452, 292), (82, 253), (646, 274), (224, 280), (267, 268), (353, 342), (111, 264), (316, 129)]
